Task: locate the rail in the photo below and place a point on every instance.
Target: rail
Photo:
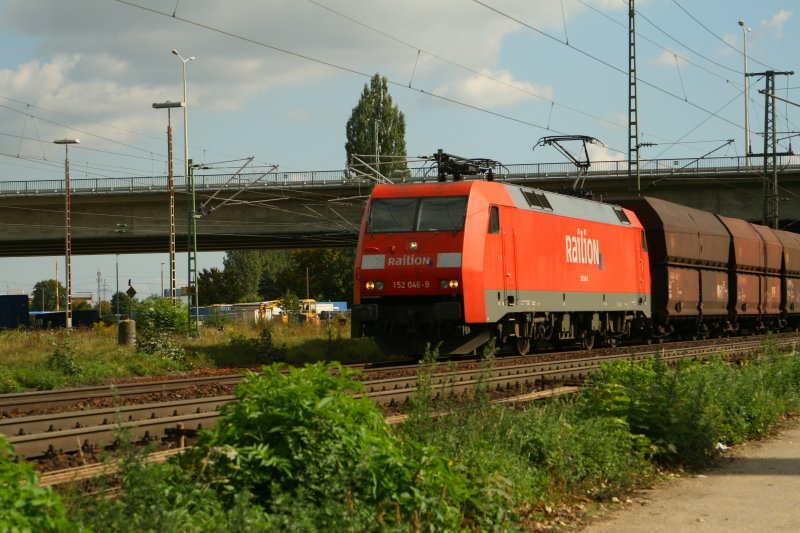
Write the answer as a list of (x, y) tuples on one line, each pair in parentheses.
[(533, 172)]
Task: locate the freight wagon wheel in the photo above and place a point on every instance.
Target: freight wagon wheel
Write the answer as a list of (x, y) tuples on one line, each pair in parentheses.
[(587, 340), (523, 345)]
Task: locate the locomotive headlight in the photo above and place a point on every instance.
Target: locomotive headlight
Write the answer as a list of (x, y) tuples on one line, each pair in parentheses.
[(413, 245), (453, 283), (372, 285), (379, 285), (448, 284)]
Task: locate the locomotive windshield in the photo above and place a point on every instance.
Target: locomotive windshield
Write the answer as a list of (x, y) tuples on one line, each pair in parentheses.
[(431, 213)]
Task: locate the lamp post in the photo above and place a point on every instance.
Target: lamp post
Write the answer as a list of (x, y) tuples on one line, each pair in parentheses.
[(192, 246), (745, 31), (185, 115), (171, 185), (68, 230)]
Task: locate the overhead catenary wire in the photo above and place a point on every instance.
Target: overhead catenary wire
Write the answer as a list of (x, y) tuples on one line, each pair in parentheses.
[(500, 115), (546, 126)]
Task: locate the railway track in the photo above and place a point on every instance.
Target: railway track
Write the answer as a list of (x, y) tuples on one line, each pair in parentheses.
[(69, 432)]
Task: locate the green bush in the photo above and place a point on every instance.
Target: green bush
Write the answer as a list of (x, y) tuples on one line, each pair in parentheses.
[(546, 452), (686, 410), (160, 315), (298, 436), (24, 506), (62, 359), (162, 345), (8, 382), (163, 498)]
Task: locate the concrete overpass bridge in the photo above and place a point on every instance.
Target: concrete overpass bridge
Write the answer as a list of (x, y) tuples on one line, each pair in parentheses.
[(323, 208)]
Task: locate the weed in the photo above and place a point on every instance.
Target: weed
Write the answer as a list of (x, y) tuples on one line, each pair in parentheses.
[(24, 506), (163, 345), (63, 360)]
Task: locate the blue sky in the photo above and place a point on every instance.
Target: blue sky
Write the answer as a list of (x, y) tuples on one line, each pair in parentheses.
[(278, 79)]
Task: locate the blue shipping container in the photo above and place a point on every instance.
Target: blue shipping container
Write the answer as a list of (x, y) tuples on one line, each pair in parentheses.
[(14, 311)]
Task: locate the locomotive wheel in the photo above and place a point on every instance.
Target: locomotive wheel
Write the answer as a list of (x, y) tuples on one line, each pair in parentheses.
[(523, 345), (587, 340)]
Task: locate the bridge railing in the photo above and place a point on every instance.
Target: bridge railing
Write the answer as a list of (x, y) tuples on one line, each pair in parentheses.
[(523, 171)]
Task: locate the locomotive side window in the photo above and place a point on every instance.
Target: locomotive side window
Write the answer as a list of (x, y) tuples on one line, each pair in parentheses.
[(494, 220), (435, 213), (622, 216), (644, 242), (442, 213), (537, 200)]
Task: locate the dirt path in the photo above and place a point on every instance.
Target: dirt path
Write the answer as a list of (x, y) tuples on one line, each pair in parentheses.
[(758, 490)]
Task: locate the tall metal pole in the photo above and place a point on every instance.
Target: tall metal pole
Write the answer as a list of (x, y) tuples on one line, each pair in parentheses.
[(194, 325), (116, 264), (770, 181), (68, 231), (634, 178), (745, 31), (171, 185)]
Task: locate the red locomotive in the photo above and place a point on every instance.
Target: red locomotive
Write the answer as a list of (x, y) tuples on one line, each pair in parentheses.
[(455, 263)]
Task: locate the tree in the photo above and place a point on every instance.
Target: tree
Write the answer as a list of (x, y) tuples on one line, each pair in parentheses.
[(376, 119), (121, 304), (330, 274), (83, 305), (245, 269), (214, 287), (105, 308), (44, 296)]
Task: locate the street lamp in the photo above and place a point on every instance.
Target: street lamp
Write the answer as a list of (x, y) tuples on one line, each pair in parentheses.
[(745, 31), (185, 115), (171, 184), (68, 232), (193, 324)]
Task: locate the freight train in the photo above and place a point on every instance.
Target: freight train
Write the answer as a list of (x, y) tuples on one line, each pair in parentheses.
[(456, 263)]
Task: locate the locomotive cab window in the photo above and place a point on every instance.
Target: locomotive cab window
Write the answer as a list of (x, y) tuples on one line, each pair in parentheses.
[(494, 220), (434, 213), (442, 213)]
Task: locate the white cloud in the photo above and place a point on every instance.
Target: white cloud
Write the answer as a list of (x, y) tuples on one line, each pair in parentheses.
[(774, 26), (482, 91), (669, 59), (602, 153)]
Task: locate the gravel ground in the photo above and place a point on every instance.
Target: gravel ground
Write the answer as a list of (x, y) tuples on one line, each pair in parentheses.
[(756, 489)]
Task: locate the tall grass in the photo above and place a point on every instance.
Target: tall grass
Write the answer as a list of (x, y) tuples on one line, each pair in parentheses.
[(296, 453), (686, 410), (50, 359)]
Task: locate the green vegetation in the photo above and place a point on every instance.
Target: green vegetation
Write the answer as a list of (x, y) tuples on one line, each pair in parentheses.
[(49, 359), (256, 275), (684, 411), (298, 452), (24, 506), (377, 127)]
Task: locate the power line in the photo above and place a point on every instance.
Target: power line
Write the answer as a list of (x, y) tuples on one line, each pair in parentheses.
[(606, 63), (723, 41)]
